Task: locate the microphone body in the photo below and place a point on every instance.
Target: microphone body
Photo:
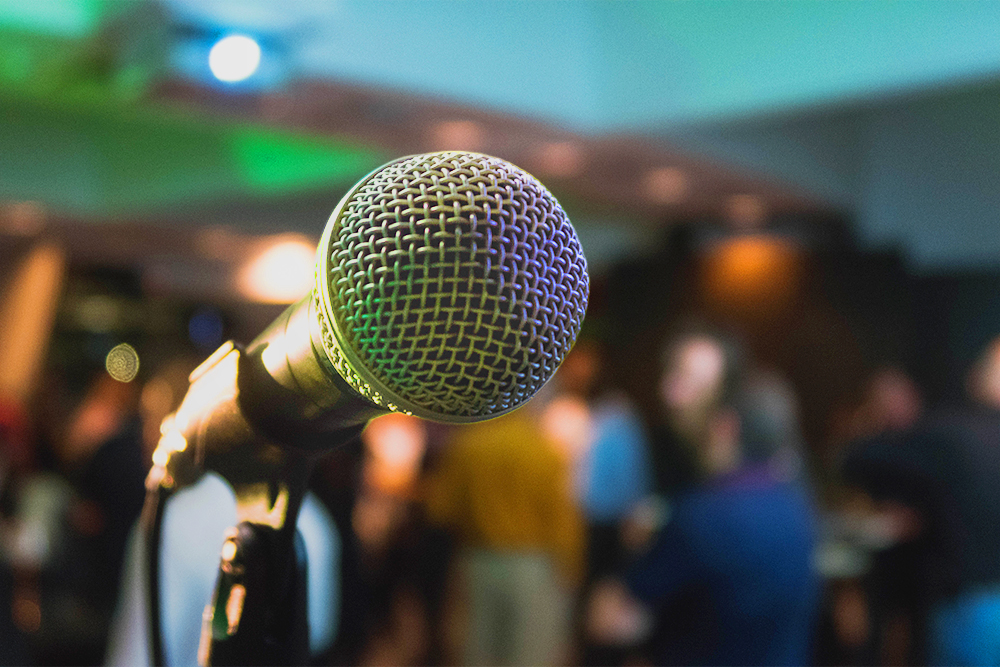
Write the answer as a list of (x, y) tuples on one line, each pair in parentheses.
[(449, 286)]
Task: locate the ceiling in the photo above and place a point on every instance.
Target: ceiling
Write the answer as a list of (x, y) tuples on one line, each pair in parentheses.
[(605, 65), (111, 113)]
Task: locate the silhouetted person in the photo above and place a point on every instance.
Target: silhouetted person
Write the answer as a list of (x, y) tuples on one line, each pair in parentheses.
[(945, 471), (881, 616)]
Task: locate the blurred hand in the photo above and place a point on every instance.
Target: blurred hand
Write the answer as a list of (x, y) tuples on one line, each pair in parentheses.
[(897, 521), (647, 517), (613, 616)]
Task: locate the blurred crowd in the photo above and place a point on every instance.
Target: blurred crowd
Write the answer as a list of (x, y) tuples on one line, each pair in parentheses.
[(577, 530)]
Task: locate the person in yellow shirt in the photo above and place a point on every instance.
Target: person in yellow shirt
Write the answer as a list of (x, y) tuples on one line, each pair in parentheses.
[(504, 489)]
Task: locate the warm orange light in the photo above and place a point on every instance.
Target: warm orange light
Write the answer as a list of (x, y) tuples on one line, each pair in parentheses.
[(229, 550), (234, 608), (28, 307), (396, 444), (283, 273), (752, 273)]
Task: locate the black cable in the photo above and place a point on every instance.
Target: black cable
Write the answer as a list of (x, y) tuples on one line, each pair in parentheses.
[(152, 528)]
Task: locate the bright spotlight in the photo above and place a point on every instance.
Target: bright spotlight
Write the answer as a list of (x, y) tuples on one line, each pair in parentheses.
[(234, 58), (282, 273)]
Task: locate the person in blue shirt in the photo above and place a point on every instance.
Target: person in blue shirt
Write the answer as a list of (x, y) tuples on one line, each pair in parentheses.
[(728, 579)]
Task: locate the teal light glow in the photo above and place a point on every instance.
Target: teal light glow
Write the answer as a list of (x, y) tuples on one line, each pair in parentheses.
[(66, 18)]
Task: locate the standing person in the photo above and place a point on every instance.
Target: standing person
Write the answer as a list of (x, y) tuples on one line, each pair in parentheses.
[(613, 472), (15, 460), (700, 365), (504, 490), (728, 580), (880, 612), (940, 478)]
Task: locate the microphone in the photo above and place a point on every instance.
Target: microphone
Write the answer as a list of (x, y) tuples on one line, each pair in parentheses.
[(449, 286)]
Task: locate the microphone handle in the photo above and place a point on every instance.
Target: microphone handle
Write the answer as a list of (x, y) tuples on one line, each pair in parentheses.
[(248, 410), (260, 417)]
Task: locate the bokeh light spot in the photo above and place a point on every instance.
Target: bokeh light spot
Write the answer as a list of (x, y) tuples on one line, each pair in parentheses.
[(283, 273), (122, 362), (205, 328), (234, 58)]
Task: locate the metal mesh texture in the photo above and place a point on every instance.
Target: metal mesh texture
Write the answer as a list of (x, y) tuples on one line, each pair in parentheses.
[(457, 281)]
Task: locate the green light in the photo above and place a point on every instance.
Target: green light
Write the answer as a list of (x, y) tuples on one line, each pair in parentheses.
[(95, 158), (17, 61), (271, 161), (67, 18)]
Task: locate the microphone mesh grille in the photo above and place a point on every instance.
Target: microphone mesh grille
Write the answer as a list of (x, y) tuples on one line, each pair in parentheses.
[(457, 282)]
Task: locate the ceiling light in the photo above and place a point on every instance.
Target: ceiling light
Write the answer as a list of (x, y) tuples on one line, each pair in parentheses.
[(560, 159), (458, 135), (665, 185), (746, 211), (25, 218), (234, 58)]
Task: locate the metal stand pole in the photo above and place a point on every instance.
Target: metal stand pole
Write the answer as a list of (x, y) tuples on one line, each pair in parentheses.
[(258, 614)]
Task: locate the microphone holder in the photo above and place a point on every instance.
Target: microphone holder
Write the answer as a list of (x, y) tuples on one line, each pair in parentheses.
[(239, 422), (258, 614)]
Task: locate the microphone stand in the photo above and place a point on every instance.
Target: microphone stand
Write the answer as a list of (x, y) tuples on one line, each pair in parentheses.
[(260, 416), (238, 421)]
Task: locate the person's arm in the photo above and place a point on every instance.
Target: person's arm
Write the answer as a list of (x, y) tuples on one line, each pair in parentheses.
[(619, 611), (667, 567)]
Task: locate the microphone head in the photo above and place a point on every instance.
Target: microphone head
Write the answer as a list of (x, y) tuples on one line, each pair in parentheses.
[(450, 286)]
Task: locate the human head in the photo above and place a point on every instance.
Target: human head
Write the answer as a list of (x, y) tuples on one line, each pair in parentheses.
[(892, 400), (769, 419), (701, 369), (983, 380), (756, 423)]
